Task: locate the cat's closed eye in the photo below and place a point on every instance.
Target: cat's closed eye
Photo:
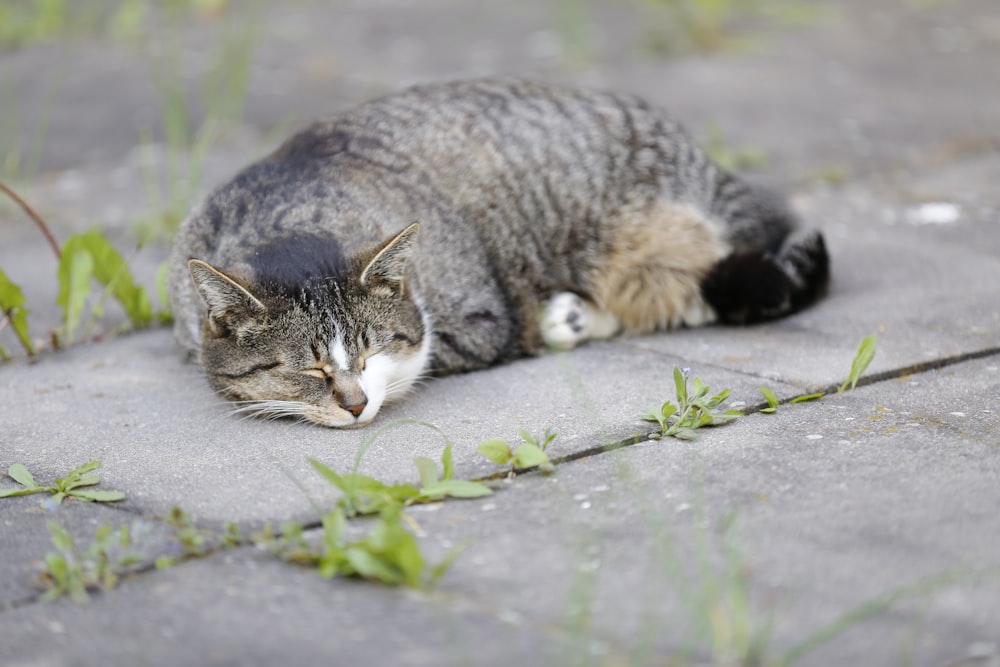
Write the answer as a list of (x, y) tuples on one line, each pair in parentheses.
[(325, 373)]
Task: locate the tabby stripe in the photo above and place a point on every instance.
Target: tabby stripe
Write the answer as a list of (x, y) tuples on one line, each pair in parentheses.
[(255, 369)]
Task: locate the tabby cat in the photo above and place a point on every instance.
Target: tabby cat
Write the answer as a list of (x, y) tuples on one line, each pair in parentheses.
[(456, 226)]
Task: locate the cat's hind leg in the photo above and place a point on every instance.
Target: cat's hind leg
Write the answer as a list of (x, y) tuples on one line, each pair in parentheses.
[(569, 320)]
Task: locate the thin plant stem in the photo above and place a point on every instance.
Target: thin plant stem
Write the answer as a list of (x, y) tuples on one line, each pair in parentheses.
[(34, 216)]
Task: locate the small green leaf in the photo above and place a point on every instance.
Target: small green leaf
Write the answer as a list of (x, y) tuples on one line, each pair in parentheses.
[(70, 483), (719, 398), (98, 496), (527, 437), (680, 384), (862, 358), (76, 267), (808, 397), (83, 469), (653, 415), (111, 270), (550, 435), (668, 410), (368, 565), (12, 305), (719, 418), (447, 463), (769, 411), (460, 488), (20, 474), (497, 451), (428, 471), (11, 493), (528, 455), (770, 397)]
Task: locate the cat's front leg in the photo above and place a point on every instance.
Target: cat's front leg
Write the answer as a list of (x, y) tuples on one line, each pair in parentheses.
[(569, 320)]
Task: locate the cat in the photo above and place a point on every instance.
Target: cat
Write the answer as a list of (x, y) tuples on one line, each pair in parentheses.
[(454, 226)]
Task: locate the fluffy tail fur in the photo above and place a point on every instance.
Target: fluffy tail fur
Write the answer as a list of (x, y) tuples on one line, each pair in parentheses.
[(753, 285)]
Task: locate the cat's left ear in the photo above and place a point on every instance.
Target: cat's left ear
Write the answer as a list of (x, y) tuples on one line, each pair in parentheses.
[(389, 264)]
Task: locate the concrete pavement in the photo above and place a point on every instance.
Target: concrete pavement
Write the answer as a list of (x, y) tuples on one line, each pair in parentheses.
[(661, 552)]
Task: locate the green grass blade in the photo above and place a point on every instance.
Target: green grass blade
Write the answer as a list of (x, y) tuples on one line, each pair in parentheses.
[(427, 469), (329, 475), (862, 358)]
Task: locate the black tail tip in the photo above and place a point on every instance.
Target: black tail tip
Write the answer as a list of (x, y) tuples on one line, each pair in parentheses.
[(750, 286)]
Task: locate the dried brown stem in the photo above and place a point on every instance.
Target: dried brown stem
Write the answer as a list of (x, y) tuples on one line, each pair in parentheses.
[(34, 216)]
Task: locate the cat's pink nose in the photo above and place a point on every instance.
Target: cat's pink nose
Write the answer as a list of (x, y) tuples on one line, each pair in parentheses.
[(356, 410)]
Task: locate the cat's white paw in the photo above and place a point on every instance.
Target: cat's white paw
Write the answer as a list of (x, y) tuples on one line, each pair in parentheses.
[(698, 314), (569, 320)]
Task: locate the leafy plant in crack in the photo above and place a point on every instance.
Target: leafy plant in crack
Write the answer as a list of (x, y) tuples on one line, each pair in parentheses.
[(862, 358), (367, 495), (90, 256), (389, 553), (190, 541), (437, 486), (84, 258), (530, 453), (694, 409), (70, 485), (771, 398), (72, 571)]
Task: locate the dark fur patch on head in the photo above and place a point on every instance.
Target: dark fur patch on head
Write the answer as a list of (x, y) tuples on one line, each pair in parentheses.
[(292, 264)]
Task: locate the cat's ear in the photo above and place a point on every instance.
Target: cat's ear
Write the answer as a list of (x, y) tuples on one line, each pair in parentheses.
[(389, 264), (229, 303)]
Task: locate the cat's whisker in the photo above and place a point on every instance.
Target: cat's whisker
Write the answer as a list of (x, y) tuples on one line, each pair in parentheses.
[(268, 410)]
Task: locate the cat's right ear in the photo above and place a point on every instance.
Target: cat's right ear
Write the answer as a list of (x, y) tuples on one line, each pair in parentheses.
[(229, 303)]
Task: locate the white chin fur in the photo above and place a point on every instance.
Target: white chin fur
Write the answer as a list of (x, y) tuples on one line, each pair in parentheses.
[(386, 378)]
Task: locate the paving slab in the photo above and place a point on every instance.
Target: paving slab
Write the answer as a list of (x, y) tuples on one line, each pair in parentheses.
[(248, 608), (835, 503)]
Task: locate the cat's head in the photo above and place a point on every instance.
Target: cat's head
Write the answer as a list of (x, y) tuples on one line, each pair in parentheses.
[(331, 349)]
